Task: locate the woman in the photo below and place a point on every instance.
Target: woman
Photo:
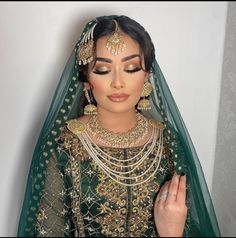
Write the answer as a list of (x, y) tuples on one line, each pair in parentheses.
[(122, 165)]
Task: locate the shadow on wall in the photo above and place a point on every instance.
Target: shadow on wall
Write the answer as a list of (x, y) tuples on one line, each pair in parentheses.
[(224, 184)]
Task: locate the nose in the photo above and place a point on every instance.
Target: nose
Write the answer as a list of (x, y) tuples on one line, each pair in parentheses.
[(117, 81)]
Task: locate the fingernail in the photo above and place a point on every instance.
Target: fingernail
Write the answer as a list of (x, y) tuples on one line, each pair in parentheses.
[(182, 174)]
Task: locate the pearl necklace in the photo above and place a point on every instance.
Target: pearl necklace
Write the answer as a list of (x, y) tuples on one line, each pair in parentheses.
[(124, 172)]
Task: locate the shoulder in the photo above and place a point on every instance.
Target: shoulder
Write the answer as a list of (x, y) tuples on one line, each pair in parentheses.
[(73, 128), (83, 119), (69, 139), (77, 125), (157, 124)]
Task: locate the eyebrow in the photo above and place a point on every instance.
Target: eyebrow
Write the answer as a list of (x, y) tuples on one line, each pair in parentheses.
[(129, 57), (107, 60)]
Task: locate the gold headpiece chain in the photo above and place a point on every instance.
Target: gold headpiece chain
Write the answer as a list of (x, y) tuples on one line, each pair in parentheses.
[(115, 43)]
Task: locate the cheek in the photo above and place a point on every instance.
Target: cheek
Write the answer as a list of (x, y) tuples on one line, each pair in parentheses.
[(99, 89), (138, 86), (96, 84)]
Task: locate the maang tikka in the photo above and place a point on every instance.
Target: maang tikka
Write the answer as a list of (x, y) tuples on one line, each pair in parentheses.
[(115, 43), (85, 53), (89, 109)]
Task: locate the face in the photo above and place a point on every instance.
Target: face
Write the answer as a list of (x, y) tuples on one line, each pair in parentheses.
[(117, 80)]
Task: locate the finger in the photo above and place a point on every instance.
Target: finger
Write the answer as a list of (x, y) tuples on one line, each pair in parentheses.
[(173, 188), (164, 187), (181, 195), (161, 197)]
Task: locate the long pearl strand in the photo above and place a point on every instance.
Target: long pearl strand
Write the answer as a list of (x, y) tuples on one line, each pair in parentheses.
[(98, 155)]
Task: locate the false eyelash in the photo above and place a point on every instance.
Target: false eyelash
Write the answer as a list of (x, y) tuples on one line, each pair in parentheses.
[(101, 72), (133, 70)]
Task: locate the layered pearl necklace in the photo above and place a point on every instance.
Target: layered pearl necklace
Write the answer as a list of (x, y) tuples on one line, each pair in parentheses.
[(125, 172), (132, 171)]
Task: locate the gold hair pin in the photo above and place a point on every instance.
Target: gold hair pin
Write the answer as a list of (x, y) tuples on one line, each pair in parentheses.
[(86, 47)]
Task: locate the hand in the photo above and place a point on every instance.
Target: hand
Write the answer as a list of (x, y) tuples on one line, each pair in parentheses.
[(170, 210)]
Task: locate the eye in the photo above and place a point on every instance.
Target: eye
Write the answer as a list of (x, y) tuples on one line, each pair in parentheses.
[(132, 68), (101, 70)]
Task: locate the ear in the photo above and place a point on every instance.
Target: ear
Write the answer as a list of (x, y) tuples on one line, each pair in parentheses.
[(146, 77), (87, 85)]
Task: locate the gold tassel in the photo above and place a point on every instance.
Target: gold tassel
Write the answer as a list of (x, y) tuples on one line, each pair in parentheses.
[(89, 109), (144, 104)]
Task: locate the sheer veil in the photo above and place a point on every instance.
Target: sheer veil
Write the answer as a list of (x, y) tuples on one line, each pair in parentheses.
[(67, 103)]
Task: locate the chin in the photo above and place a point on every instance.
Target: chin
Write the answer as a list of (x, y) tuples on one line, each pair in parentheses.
[(119, 109)]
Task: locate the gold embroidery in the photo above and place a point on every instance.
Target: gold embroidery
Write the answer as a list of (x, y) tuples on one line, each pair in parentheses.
[(113, 223), (120, 210), (70, 142), (52, 209), (78, 219), (120, 216), (42, 215)]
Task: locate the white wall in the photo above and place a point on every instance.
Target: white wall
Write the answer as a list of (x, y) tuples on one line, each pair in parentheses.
[(36, 39)]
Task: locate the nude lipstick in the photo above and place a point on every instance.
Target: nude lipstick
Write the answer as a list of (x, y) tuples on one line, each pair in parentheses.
[(118, 97)]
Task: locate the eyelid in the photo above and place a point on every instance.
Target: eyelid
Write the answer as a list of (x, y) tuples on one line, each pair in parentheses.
[(101, 68), (133, 64), (132, 68)]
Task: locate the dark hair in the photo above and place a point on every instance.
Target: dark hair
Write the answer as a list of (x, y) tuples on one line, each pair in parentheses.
[(106, 25)]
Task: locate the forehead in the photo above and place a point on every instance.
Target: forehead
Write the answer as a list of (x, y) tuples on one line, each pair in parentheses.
[(132, 47)]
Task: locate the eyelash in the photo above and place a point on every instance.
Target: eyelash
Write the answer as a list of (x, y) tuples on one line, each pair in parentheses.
[(127, 71), (101, 72), (133, 70)]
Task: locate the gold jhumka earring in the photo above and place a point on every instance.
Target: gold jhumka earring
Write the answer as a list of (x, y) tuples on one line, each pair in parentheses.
[(115, 43), (89, 109), (144, 104)]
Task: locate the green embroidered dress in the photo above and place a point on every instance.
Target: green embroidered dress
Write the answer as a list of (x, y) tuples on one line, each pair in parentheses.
[(67, 194), (79, 199)]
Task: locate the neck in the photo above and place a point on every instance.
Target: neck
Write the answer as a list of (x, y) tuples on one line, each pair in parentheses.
[(117, 122)]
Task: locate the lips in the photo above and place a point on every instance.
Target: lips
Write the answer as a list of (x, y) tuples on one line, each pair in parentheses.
[(118, 97)]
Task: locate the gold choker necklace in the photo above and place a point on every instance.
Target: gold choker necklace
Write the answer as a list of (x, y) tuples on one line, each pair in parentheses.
[(120, 140)]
